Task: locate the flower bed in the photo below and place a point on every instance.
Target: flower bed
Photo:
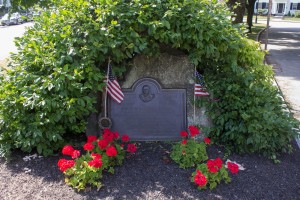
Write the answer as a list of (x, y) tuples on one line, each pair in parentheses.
[(102, 154), (191, 153)]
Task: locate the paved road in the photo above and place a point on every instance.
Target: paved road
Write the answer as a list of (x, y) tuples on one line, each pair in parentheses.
[(284, 55), (7, 35)]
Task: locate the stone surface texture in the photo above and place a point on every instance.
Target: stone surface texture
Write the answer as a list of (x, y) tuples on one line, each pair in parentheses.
[(171, 71)]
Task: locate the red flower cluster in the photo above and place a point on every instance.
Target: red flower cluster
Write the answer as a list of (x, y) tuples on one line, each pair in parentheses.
[(64, 164), (88, 146), (102, 144), (234, 168), (207, 140), (125, 138), (75, 154), (91, 138), (97, 163), (96, 155), (116, 135), (194, 131), (67, 150), (184, 134), (200, 179), (111, 151), (184, 142), (131, 148), (214, 165), (108, 136)]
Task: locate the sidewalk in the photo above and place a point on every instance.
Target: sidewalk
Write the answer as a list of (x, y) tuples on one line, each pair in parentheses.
[(284, 55)]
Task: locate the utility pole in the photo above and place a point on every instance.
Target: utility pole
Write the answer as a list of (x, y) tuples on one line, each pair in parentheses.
[(256, 11), (268, 23)]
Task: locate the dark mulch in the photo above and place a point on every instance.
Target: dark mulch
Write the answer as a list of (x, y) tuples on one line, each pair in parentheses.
[(150, 174)]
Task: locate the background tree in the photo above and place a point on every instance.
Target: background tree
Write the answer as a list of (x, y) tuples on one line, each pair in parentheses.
[(238, 7), (25, 4), (250, 9)]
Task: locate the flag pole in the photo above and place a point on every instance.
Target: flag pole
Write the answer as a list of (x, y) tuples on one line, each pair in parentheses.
[(105, 99), (194, 96)]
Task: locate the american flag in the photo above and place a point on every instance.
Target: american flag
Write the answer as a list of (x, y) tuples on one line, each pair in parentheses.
[(200, 89), (113, 87)]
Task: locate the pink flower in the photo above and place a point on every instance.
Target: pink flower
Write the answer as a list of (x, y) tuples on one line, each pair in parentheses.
[(193, 131), (91, 138), (207, 140), (88, 146), (125, 138), (184, 134), (131, 148), (67, 150), (75, 154)]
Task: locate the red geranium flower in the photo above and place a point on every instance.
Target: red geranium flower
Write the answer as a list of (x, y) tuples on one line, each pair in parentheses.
[(97, 163), (111, 151), (116, 135), (102, 144), (184, 142), (91, 138), (200, 179), (109, 136), (211, 166), (218, 162), (234, 168), (88, 146), (214, 165), (67, 150), (131, 148), (184, 134), (64, 164), (75, 154), (193, 131), (125, 138), (96, 155), (207, 140)]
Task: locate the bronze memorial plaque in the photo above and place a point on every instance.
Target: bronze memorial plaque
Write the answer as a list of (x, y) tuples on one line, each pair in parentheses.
[(149, 113)]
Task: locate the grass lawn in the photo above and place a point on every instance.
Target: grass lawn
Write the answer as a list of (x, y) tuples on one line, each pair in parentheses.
[(291, 18), (256, 28)]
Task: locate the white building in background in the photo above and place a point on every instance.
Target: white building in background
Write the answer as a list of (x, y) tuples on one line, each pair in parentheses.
[(279, 7), (5, 3)]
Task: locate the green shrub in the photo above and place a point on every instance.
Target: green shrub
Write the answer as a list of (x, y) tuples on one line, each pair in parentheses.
[(250, 117), (297, 13), (262, 11), (59, 68)]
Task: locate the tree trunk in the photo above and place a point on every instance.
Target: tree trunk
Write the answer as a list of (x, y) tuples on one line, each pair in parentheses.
[(238, 7), (250, 9)]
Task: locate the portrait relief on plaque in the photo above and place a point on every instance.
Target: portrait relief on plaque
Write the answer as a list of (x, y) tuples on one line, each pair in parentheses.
[(146, 95)]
